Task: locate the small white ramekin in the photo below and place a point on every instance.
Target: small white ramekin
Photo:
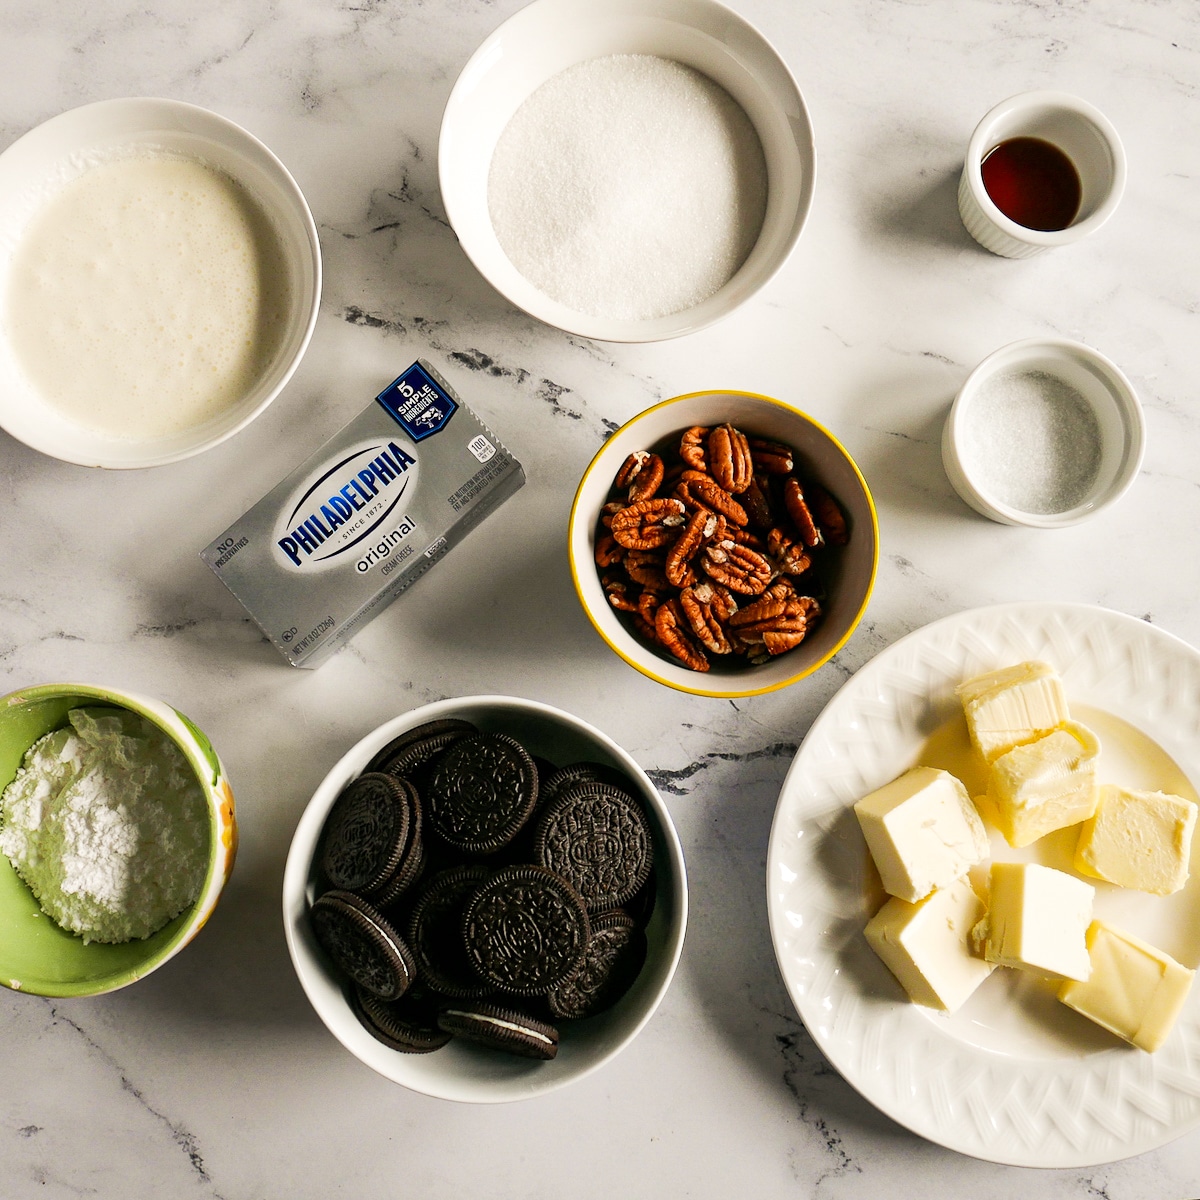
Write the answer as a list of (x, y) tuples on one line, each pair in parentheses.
[(1104, 387), (1081, 132)]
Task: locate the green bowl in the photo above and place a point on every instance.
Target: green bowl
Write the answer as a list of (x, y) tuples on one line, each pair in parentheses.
[(38, 956)]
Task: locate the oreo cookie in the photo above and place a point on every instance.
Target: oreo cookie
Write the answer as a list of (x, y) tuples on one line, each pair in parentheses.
[(365, 834), (435, 933), (598, 838), (384, 758), (412, 863), (614, 957), (500, 1028), (363, 944), (413, 761), (407, 1025), (525, 930), (579, 772), (480, 792)]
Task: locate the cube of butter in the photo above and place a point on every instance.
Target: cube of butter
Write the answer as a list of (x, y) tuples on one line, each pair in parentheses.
[(1011, 706), (1135, 990), (923, 832), (1139, 840), (1045, 785), (1037, 920), (925, 945)]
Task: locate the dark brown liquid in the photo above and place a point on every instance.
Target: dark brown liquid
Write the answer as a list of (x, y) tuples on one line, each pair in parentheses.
[(1033, 183)]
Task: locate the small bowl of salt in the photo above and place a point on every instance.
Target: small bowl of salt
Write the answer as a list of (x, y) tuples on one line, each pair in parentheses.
[(1044, 433)]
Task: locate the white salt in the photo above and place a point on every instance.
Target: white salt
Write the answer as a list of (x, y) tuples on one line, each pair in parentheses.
[(107, 824), (1032, 442), (628, 187)]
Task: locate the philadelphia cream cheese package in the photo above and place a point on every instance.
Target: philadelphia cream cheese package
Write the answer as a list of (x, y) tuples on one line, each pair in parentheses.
[(364, 517)]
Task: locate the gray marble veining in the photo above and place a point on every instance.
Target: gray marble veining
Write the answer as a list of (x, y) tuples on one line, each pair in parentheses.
[(213, 1077)]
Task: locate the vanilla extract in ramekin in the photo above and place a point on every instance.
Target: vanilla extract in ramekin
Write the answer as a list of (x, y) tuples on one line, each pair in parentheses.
[(1044, 433)]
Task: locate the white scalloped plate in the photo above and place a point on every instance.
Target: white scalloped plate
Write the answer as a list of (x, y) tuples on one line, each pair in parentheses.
[(1013, 1076)]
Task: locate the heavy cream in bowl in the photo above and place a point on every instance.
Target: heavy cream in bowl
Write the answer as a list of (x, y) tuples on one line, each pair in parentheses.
[(159, 279)]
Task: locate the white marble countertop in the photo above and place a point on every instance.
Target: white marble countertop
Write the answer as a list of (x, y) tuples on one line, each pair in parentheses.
[(213, 1077)]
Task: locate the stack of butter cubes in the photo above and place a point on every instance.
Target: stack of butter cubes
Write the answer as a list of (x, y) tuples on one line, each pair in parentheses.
[(941, 939)]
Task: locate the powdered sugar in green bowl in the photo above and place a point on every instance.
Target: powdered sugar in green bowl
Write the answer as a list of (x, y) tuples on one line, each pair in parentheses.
[(191, 856)]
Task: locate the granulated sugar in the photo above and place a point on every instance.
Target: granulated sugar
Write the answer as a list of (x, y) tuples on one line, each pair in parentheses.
[(1032, 442), (108, 826), (628, 187)]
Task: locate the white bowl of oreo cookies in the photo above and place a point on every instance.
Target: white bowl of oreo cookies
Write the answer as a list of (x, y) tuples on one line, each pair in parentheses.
[(437, 915)]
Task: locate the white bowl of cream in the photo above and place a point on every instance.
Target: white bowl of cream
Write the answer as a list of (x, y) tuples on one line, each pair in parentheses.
[(160, 277)]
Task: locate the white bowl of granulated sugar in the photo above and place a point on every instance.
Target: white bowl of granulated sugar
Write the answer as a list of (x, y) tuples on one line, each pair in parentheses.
[(627, 170)]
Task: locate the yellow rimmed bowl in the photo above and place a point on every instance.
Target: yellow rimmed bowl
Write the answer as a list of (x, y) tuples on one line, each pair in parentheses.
[(820, 457), (36, 955)]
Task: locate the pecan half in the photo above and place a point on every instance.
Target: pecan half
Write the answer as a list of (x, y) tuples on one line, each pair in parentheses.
[(708, 607), (609, 511), (755, 500), (788, 552), (707, 493), (617, 591), (745, 537), (647, 604), (729, 459), (828, 514), (691, 447), (648, 524), (772, 457), (702, 527), (646, 567), (777, 623), (641, 473), (798, 510), (672, 630), (607, 552), (738, 567)]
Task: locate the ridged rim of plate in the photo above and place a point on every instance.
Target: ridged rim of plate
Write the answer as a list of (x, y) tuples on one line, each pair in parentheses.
[(1066, 1112)]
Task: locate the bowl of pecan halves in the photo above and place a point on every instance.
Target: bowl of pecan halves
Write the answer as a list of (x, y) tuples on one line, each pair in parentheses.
[(724, 543)]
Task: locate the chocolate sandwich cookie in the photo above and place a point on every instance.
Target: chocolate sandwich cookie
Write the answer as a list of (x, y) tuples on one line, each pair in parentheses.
[(365, 834), (597, 837), (615, 954), (525, 929), (407, 1025), (412, 863), (500, 1028), (383, 758), (480, 792), (435, 933), (580, 772), (414, 760), (363, 944)]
